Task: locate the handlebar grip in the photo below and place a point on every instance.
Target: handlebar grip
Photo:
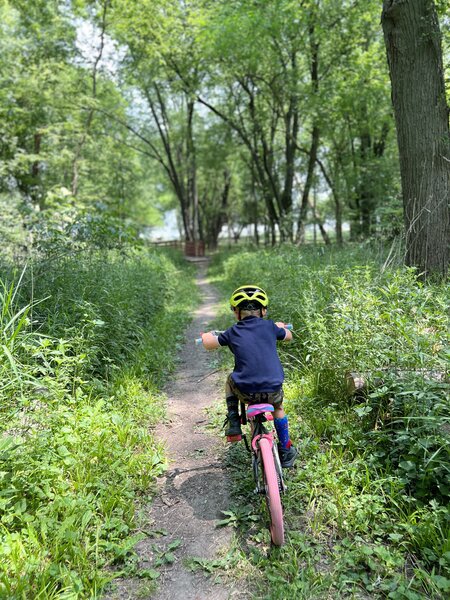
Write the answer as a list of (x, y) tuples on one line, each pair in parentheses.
[(198, 341)]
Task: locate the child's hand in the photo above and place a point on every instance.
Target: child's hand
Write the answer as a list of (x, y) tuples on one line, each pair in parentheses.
[(210, 341), (287, 327)]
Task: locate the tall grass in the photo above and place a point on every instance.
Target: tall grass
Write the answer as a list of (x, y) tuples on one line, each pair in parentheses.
[(81, 370), (373, 479)]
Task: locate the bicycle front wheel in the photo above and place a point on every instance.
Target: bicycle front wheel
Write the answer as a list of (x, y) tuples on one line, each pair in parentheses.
[(272, 491)]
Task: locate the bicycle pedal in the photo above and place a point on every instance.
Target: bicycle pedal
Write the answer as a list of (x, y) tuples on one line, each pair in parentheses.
[(234, 438)]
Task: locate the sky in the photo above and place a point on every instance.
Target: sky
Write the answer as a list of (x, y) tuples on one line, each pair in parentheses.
[(88, 44)]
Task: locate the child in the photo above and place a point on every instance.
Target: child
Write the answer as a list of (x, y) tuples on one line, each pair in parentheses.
[(258, 375)]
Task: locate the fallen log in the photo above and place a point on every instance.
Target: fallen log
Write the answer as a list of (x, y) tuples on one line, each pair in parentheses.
[(358, 383)]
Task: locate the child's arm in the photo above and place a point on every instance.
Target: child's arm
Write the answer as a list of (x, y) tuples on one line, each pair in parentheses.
[(210, 340), (288, 335)]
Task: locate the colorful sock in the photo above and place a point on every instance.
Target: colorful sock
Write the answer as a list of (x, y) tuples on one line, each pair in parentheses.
[(282, 427)]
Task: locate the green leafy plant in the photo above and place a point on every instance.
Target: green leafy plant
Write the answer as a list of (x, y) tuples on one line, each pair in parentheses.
[(76, 411), (367, 508), (236, 517)]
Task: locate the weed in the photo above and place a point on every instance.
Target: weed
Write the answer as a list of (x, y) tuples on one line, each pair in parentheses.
[(79, 395), (237, 517), (367, 507)]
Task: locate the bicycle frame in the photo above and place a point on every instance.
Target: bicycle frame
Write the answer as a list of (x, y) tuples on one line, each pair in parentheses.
[(266, 466), (259, 431)]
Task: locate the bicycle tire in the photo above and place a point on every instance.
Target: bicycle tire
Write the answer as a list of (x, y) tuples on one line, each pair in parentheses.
[(273, 500)]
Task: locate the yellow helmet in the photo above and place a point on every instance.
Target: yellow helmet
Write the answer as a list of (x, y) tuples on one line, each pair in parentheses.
[(249, 293)]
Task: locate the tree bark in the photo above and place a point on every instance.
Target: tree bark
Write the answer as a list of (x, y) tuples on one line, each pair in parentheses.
[(365, 192), (191, 166), (215, 222), (315, 135), (413, 45), (318, 221), (337, 203), (254, 206), (308, 184)]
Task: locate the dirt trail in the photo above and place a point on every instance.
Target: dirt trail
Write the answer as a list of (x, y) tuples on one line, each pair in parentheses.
[(193, 491)]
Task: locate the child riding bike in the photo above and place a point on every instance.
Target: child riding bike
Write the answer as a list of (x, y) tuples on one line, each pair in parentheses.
[(258, 375)]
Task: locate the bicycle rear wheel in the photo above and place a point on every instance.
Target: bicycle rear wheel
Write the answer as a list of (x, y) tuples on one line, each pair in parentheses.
[(272, 488)]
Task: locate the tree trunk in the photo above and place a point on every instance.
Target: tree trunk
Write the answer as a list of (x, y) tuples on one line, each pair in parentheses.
[(254, 207), (215, 222), (191, 166), (318, 221), (308, 183), (413, 44), (337, 203), (314, 71), (177, 156), (365, 192), (323, 232), (35, 191), (291, 120)]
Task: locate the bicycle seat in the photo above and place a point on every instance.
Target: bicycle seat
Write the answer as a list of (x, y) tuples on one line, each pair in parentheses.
[(257, 409)]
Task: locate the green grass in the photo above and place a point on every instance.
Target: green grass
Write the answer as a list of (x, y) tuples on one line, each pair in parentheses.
[(367, 506), (86, 345)]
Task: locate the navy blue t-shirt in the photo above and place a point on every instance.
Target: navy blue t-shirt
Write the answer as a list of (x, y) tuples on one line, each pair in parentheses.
[(253, 341)]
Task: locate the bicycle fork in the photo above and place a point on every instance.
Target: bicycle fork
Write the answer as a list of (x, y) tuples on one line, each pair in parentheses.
[(260, 485)]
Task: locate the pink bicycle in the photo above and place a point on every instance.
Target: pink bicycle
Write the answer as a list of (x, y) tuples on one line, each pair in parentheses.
[(266, 465)]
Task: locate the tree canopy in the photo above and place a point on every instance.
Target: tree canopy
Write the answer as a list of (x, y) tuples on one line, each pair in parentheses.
[(274, 115)]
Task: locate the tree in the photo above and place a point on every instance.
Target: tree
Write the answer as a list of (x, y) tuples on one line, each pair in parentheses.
[(414, 53), (357, 154), (36, 44), (163, 68), (64, 165), (256, 50)]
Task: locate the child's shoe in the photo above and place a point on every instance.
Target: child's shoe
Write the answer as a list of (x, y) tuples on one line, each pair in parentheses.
[(287, 456), (234, 424)]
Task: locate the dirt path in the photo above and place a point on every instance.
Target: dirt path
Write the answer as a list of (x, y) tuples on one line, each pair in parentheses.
[(193, 491)]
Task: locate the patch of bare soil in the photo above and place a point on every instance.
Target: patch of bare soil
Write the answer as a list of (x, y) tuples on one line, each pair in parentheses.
[(194, 490)]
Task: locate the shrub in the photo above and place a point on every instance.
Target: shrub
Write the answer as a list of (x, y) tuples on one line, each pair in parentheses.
[(80, 372), (352, 314)]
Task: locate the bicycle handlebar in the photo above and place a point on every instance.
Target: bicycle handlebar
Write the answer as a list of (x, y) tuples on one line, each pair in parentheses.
[(199, 340)]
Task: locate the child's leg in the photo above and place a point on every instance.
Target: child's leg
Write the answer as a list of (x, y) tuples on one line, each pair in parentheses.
[(234, 421), (282, 426), (287, 451), (280, 419)]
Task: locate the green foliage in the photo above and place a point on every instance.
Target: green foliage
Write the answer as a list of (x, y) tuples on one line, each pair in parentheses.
[(414, 438), (90, 301), (58, 133), (78, 398), (367, 507)]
